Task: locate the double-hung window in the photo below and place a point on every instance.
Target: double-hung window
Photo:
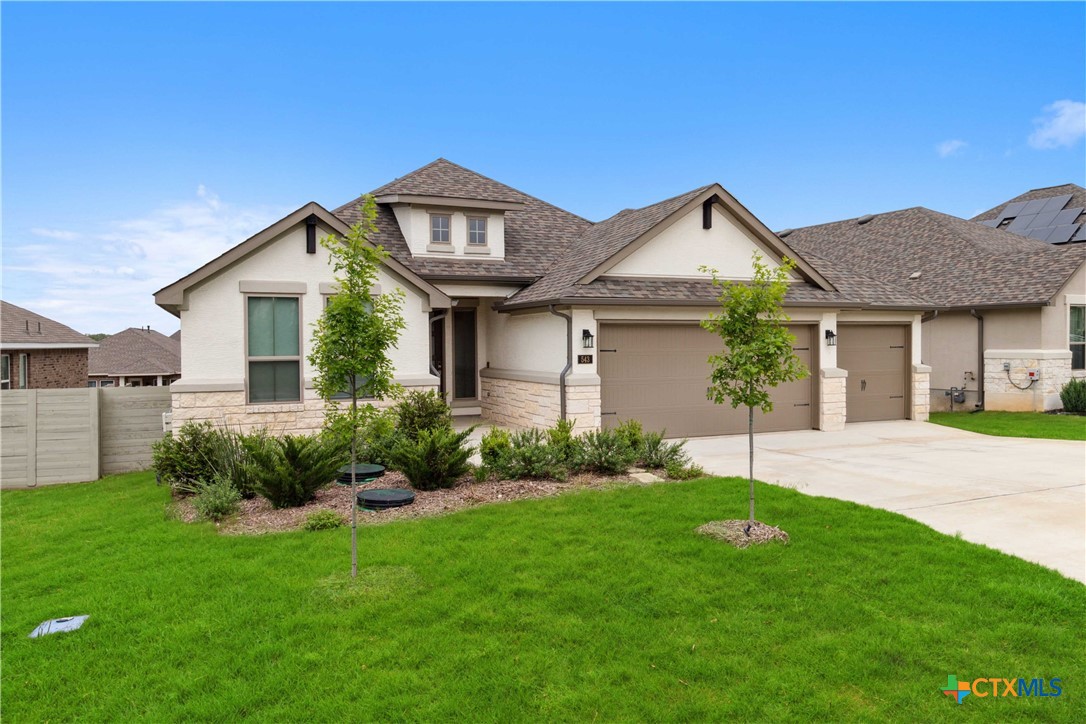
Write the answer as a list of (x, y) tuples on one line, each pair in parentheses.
[(274, 349), (477, 230), (1077, 337), (440, 225)]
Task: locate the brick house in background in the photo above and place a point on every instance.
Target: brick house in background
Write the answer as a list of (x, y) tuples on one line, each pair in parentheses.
[(136, 357), (39, 353)]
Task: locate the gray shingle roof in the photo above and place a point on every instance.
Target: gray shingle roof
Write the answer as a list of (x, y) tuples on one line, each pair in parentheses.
[(961, 263), (535, 235), (18, 325), (136, 352)]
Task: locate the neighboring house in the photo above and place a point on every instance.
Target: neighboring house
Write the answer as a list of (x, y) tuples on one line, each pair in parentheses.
[(39, 353), (525, 313), (136, 357), (1004, 304), (1054, 215)]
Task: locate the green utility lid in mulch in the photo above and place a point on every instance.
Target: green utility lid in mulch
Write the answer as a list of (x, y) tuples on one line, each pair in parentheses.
[(364, 473), (383, 498)]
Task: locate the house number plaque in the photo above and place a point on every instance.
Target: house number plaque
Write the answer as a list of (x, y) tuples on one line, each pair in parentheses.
[(584, 359)]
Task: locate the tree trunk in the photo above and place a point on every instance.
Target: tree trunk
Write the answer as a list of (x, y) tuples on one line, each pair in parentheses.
[(354, 491), (750, 439)]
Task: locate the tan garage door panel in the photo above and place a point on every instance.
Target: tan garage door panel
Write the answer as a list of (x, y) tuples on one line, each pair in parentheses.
[(659, 374), (875, 358)]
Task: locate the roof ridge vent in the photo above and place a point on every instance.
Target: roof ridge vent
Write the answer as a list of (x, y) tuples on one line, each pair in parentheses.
[(785, 232), (865, 218)]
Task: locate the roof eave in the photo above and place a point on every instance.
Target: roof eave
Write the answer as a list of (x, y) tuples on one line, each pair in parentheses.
[(632, 301), (451, 201)]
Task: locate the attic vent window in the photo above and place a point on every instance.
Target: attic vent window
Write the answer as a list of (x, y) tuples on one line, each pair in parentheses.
[(865, 218), (310, 236)]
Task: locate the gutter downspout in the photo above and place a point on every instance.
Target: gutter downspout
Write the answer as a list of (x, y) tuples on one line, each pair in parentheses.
[(569, 360), (980, 359)]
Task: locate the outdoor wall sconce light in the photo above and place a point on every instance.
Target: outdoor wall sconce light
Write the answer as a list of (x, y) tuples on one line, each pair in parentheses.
[(587, 340), (831, 338)]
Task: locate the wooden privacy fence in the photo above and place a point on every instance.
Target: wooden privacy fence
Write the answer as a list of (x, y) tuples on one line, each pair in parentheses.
[(66, 436)]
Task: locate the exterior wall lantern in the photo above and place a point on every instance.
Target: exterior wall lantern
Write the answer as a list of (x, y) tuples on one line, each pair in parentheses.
[(831, 338), (587, 340)]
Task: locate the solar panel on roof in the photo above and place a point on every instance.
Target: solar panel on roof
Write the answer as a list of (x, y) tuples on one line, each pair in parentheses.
[(1062, 234), (1055, 203), (1014, 209), (1040, 234), (1033, 207), (1043, 219), (1021, 223), (1081, 235), (1067, 216)]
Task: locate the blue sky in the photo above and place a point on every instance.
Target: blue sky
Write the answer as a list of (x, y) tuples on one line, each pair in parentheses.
[(141, 140)]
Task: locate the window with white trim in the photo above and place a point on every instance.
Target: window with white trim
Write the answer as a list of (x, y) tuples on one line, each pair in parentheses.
[(5, 372), (477, 230), (1077, 336), (274, 360), (440, 225)]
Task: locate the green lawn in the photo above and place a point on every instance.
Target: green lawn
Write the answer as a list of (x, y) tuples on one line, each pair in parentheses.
[(599, 605), (1016, 424)]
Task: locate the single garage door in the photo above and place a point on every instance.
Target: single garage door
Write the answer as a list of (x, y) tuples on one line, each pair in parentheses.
[(875, 357), (659, 374)]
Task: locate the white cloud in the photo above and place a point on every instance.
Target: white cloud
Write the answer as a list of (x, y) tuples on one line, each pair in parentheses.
[(1063, 124), (950, 148), (60, 234), (104, 280)]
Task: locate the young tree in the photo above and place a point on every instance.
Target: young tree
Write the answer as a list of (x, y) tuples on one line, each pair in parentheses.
[(757, 353), (352, 339)]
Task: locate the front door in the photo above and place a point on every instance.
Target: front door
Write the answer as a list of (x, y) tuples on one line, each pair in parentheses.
[(465, 366)]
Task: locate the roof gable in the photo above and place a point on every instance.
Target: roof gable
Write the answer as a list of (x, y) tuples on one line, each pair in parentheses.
[(171, 297)]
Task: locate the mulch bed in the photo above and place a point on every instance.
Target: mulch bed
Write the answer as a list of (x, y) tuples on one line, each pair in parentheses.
[(735, 532), (257, 516)]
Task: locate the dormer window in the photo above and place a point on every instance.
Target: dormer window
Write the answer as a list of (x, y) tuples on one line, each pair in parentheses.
[(477, 230), (440, 224)]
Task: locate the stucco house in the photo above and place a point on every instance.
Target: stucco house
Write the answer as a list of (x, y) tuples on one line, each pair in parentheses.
[(1006, 324), (39, 353), (524, 313), (135, 357)]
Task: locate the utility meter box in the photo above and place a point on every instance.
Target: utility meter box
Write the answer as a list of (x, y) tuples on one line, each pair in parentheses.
[(1033, 374)]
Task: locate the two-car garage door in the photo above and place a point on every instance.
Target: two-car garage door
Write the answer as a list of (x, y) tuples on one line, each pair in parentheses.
[(659, 374)]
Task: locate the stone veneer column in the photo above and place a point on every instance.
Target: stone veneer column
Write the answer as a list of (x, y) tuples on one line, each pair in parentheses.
[(583, 405), (831, 399), (921, 392)]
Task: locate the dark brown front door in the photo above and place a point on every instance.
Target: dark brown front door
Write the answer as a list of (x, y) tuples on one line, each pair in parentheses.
[(875, 357), (659, 374)]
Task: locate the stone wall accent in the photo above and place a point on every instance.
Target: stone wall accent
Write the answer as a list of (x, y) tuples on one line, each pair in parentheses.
[(1000, 392), (831, 399), (229, 409), (583, 404), (50, 369), (519, 403), (921, 392)]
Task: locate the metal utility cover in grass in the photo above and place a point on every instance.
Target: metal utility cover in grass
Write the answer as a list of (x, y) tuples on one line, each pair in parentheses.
[(58, 625)]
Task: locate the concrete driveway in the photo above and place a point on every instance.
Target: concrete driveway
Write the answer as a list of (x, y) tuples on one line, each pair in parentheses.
[(1023, 497)]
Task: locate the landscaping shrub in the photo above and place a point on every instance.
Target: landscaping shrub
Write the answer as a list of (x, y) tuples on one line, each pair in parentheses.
[(495, 443), (184, 459), (216, 499), (529, 456), (289, 470), (679, 471), (1073, 396), (230, 452), (655, 453), (480, 473), (434, 459), (564, 444), (420, 411), (606, 452), (377, 434), (631, 431), (322, 520)]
